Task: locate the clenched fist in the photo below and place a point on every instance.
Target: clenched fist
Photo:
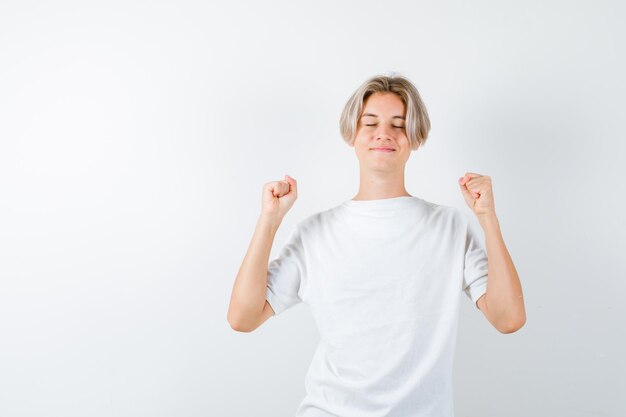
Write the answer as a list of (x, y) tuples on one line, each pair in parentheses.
[(478, 193), (278, 197)]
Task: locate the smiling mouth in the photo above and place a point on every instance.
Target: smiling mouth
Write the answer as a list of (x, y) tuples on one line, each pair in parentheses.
[(383, 149)]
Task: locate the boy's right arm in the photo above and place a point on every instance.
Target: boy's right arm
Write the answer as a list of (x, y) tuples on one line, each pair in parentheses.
[(248, 307)]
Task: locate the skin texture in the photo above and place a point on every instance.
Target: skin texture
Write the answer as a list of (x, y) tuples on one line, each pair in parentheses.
[(248, 308), (503, 303), (381, 173)]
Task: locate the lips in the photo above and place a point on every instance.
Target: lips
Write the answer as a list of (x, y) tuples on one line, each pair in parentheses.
[(384, 149)]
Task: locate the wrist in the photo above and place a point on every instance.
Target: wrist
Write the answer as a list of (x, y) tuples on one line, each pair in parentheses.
[(488, 219), (270, 220)]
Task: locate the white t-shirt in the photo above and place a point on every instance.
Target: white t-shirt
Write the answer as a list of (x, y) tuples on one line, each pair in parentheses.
[(383, 280)]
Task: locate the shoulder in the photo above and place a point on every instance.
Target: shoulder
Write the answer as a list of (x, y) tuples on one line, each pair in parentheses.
[(321, 225), (448, 218), (317, 219), (444, 212)]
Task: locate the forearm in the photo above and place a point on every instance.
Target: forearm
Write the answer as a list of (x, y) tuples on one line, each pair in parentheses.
[(504, 300), (248, 295)]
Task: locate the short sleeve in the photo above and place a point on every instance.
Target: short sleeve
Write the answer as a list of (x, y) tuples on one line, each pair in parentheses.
[(475, 267), (285, 274)]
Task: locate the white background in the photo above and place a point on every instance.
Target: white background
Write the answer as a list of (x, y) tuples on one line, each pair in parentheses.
[(136, 138)]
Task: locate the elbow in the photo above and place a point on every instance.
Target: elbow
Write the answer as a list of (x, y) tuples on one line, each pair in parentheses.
[(241, 329), (238, 327), (237, 324), (513, 325)]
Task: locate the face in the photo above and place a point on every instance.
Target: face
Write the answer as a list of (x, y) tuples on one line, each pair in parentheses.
[(382, 125)]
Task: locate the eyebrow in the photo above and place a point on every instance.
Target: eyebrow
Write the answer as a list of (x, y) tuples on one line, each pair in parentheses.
[(374, 115)]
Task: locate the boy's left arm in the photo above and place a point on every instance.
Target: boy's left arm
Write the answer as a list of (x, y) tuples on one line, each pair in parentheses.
[(503, 303)]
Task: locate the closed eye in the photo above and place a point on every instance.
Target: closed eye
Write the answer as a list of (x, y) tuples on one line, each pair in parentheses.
[(397, 127)]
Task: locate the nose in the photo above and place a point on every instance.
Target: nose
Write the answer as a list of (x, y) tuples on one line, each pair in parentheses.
[(383, 133)]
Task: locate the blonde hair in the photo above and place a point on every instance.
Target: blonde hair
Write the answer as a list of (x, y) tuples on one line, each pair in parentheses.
[(417, 121)]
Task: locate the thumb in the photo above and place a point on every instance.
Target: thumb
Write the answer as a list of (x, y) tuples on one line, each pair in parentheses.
[(466, 193), (292, 182)]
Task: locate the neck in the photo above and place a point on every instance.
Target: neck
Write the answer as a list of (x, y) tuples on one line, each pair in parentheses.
[(376, 185)]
